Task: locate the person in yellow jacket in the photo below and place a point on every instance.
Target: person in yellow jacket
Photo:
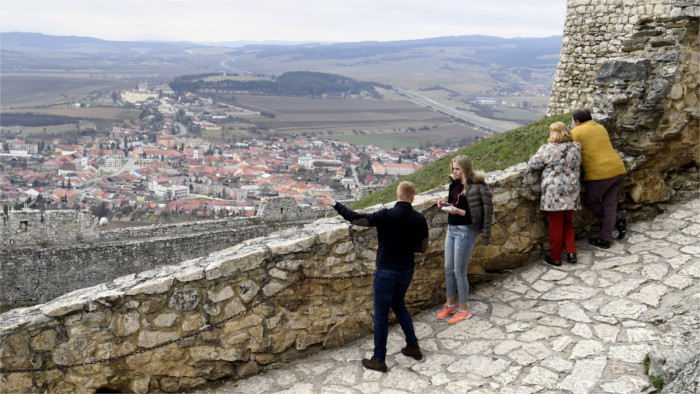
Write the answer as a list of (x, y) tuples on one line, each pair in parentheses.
[(603, 173)]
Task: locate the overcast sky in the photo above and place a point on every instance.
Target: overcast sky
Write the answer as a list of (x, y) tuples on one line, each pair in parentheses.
[(284, 20)]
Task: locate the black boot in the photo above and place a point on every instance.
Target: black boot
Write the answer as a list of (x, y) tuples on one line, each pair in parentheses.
[(621, 227), (551, 261), (571, 257), (412, 351), (595, 241), (374, 364)]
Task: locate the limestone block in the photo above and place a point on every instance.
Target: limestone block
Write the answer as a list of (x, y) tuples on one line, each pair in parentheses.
[(623, 69), (343, 248), (242, 323), (304, 340), (330, 232), (140, 384), (203, 353), (189, 274), (125, 324), (153, 338), (247, 290), (233, 307), (194, 322), (222, 294), (185, 299), (291, 242), (153, 286), (165, 320), (46, 340), (648, 190), (233, 354), (62, 307), (73, 351), (676, 92), (282, 340), (247, 257)]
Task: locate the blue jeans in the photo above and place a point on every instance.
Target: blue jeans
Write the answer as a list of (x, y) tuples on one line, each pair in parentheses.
[(459, 244), (390, 287)]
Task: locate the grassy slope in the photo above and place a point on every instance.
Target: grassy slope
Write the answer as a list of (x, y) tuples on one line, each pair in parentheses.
[(496, 153)]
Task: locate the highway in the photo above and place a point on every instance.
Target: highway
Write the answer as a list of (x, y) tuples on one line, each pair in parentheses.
[(451, 111)]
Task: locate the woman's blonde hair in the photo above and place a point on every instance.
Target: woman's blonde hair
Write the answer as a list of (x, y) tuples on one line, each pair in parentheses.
[(558, 132), (465, 165)]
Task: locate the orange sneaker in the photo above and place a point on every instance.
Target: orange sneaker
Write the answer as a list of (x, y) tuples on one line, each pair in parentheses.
[(446, 311), (459, 316)]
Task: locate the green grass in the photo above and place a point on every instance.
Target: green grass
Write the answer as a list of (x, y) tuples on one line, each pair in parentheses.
[(655, 380), (496, 153), (381, 141), (515, 114)]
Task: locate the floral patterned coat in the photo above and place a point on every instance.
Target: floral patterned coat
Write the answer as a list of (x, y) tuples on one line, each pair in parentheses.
[(561, 175)]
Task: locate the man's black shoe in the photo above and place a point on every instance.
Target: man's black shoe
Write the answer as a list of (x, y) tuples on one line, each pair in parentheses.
[(571, 257), (374, 364), (595, 241), (621, 227), (551, 261), (412, 351)]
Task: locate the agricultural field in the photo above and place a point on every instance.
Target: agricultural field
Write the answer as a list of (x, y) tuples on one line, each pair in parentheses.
[(516, 115), (34, 89), (454, 134), (380, 140), (340, 116)]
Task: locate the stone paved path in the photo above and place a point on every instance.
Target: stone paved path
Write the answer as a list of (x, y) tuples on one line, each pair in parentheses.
[(578, 328)]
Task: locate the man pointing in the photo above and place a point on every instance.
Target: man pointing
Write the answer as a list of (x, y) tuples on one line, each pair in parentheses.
[(401, 231)]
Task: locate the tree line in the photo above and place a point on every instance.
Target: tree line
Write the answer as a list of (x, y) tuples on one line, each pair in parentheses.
[(30, 119), (297, 83)]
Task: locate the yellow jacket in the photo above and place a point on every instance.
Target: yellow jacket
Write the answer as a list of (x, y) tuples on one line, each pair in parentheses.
[(599, 159)]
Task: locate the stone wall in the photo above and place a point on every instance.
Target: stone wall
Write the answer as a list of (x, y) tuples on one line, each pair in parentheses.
[(594, 32), (637, 66), (35, 229), (42, 228), (234, 311), (62, 251)]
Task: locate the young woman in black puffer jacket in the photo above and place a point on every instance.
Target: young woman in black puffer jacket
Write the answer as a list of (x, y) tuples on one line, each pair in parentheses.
[(470, 212)]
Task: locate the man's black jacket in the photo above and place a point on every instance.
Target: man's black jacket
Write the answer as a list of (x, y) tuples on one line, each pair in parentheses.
[(401, 231)]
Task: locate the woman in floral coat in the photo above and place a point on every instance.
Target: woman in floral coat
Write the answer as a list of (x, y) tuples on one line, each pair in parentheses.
[(560, 162)]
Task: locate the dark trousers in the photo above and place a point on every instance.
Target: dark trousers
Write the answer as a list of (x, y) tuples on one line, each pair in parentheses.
[(561, 231), (601, 199), (389, 290)]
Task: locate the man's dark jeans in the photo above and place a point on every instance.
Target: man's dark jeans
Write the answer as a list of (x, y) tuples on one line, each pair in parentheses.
[(390, 287)]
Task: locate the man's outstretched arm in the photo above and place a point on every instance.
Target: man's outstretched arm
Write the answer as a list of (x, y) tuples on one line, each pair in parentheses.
[(358, 219)]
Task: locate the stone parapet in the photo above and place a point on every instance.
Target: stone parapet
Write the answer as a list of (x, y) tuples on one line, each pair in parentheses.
[(264, 300)]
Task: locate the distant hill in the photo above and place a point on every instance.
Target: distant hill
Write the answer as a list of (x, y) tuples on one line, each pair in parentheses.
[(297, 83), (480, 49), (37, 42), (505, 51)]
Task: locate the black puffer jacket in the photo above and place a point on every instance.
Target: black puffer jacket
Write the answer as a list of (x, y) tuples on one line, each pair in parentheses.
[(401, 231), (480, 204)]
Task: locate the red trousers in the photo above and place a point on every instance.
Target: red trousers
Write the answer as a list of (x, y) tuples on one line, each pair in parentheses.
[(561, 230)]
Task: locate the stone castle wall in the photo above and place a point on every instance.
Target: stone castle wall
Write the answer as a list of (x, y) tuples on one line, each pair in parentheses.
[(594, 32), (36, 228), (60, 251), (636, 65)]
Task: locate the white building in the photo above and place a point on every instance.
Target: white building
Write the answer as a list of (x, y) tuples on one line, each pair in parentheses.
[(306, 161)]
